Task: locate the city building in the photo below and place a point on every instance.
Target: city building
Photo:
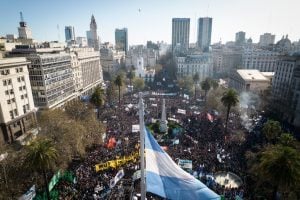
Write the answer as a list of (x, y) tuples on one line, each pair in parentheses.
[(69, 33), (266, 40), (86, 69), (81, 41), (111, 59), (150, 56), (250, 80), (282, 90), (240, 38), (204, 33), (92, 35), (17, 111), (295, 101), (225, 60), (142, 72), (51, 79), (191, 64), (180, 33), (121, 40), (284, 46), (24, 30), (261, 59)]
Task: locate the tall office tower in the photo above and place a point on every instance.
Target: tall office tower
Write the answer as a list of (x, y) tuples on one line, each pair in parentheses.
[(180, 32), (24, 30), (204, 33), (69, 33), (266, 39), (92, 36), (121, 39), (240, 38)]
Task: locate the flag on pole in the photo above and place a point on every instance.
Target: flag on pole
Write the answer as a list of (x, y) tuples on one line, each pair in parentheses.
[(166, 179)]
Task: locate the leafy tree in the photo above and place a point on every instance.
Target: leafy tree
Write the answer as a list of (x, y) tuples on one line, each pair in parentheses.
[(130, 76), (196, 79), (287, 139), (139, 84), (205, 85), (40, 157), (229, 100), (271, 130), (76, 110), (186, 84), (280, 166), (97, 98), (119, 82)]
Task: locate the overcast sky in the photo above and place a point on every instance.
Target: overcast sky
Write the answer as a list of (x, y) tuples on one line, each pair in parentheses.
[(153, 21)]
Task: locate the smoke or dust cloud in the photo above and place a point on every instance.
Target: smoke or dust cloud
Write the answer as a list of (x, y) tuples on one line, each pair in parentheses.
[(249, 103)]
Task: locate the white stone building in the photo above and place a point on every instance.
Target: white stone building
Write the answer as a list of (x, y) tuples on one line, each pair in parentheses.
[(150, 56), (51, 79), (260, 59), (250, 80), (111, 59), (266, 39), (17, 111), (192, 64)]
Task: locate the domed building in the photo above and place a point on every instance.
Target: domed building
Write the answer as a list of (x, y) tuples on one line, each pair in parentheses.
[(284, 45)]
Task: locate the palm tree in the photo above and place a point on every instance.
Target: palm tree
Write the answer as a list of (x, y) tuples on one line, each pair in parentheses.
[(97, 99), (229, 99), (205, 85), (40, 156), (280, 165), (119, 82), (271, 130), (196, 79)]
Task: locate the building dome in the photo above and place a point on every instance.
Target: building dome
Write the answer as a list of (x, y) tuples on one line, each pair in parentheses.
[(284, 44)]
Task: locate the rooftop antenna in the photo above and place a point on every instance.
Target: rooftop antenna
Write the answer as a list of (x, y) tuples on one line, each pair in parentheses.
[(58, 35), (21, 17)]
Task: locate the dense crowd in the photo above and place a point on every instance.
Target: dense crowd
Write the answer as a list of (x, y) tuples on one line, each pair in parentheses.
[(202, 140)]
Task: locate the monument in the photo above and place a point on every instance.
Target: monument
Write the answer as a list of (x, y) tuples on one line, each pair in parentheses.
[(163, 126)]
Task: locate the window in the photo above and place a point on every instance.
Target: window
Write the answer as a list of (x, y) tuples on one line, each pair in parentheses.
[(15, 112), (21, 69), (13, 100), (22, 96), (11, 113), (24, 87), (25, 95), (7, 72), (11, 91), (27, 106), (8, 101), (4, 82), (22, 78), (17, 70), (24, 109), (6, 92), (20, 88), (19, 79), (9, 82)]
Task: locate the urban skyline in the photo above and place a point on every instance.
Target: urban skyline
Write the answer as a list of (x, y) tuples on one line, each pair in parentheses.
[(142, 20)]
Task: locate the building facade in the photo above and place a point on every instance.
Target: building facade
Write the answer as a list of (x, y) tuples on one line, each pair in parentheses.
[(51, 79), (69, 33), (23, 29), (17, 111), (260, 59), (204, 33), (240, 38), (249, 80), (121, 40), (92, 35), (81, 41), (111, 59), (266, 40), (180, 33), (191, 64), (150, 56)]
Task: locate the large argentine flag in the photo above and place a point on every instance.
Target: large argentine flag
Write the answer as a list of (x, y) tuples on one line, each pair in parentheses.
[(166, 179)]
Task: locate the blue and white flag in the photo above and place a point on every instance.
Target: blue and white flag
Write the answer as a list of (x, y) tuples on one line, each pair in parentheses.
[(116, 179), (166, 179)]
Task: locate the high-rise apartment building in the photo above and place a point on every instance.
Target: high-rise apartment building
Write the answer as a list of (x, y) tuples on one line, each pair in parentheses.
[(121, 39), (204, 33), (92, 36), (51, 79), (180, 33), (240, 38), (266, 39), (69, 33), (17, 112), (24, 30)]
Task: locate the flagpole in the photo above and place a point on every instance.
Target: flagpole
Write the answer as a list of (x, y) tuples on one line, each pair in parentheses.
[(142, 146)]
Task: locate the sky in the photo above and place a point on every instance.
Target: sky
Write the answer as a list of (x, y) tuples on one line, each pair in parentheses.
[(151, 19)]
